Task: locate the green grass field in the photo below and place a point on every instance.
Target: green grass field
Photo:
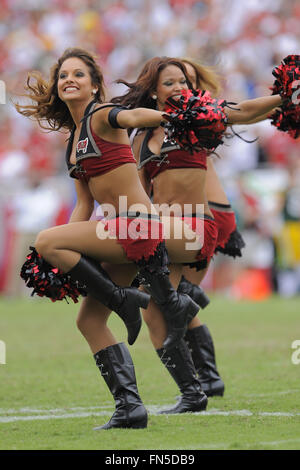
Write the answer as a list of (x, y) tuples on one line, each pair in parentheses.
[(52, 394)]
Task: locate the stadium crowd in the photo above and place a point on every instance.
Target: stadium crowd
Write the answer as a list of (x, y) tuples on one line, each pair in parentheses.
[(243, 40)]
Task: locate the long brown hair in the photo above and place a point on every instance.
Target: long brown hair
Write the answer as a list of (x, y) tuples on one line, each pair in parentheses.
[(47, 106), (140, 91), (206, 77)]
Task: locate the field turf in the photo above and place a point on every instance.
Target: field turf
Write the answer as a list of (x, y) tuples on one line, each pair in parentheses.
[(52, 395)]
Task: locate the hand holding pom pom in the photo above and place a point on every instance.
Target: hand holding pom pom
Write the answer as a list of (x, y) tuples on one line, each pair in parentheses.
[(287, 85), (195, 120)]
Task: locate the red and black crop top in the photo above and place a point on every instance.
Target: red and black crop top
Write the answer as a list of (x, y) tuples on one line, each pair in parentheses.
[(94, 155), (171, 156)]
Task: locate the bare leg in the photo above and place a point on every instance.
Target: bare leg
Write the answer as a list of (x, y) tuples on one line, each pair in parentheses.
[(92, 323), (176, 359), (112, 358), (93, 315), (63, 245), (153, 316)]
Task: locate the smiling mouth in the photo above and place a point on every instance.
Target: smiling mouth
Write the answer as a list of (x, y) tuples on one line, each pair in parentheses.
[(70, 88)]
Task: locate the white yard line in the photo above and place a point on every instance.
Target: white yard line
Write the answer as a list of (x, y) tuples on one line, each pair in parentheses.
[(226, 445), (32, 414), (271, 394), (55, 410)]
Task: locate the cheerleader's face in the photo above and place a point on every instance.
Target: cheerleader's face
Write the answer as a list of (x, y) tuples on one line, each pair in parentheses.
[(192, 74), (74, 81), (171, 81)]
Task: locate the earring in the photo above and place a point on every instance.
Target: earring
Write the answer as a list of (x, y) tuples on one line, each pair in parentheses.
[(94, 92), (154, 97)]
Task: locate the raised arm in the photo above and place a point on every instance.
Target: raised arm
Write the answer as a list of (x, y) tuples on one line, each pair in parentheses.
[(84, 205), (250, 110)]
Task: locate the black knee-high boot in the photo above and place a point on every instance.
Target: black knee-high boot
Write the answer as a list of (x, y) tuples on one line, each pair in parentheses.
[(179, 363), (117, 369), (175, 307), (125, 301), (201, 346)]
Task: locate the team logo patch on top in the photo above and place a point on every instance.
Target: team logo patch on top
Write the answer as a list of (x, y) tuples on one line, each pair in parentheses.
[(82, 145)]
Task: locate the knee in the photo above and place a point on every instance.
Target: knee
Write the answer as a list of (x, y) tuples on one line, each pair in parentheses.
[(91, 316), (81, 324), (43, 243)]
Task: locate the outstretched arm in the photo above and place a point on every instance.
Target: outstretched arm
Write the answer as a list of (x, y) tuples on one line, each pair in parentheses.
[(250, 110), (262, 117), (126, 118), (140, 117)]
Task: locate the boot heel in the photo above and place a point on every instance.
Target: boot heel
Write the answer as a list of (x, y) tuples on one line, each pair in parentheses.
[(142, 423), (202, 299), (193, 309), (143, 299)]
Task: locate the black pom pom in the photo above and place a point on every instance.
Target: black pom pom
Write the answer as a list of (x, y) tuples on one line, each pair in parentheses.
[(48, 281), (287, 76), (196, 120)]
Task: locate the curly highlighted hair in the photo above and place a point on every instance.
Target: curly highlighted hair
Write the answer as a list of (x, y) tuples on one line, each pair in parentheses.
[(47, 108)]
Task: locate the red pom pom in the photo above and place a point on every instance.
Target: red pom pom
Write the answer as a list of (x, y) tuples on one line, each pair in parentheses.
[(287, 85), (286, 74), (196, 120), (48, 281)]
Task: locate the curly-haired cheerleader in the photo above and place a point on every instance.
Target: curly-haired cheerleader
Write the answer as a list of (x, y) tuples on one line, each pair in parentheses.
[(66, 259), (177, 177)]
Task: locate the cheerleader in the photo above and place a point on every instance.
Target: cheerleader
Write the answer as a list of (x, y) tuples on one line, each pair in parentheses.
[(66, 260), (176, 177)]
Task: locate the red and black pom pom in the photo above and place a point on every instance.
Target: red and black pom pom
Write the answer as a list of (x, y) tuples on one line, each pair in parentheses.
[(48, 281), (196, 120), (287, 85)]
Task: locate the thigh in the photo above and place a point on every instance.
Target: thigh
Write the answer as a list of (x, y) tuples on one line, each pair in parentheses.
[(88, 238), (121, 274), (91, 307), (194, 276), (182, 243)]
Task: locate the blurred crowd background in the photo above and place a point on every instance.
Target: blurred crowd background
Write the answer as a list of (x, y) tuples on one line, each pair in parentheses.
[(243, 40)]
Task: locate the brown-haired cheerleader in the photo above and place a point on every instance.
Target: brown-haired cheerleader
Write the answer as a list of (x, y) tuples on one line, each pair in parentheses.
[(66, 260), (175, 172)]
